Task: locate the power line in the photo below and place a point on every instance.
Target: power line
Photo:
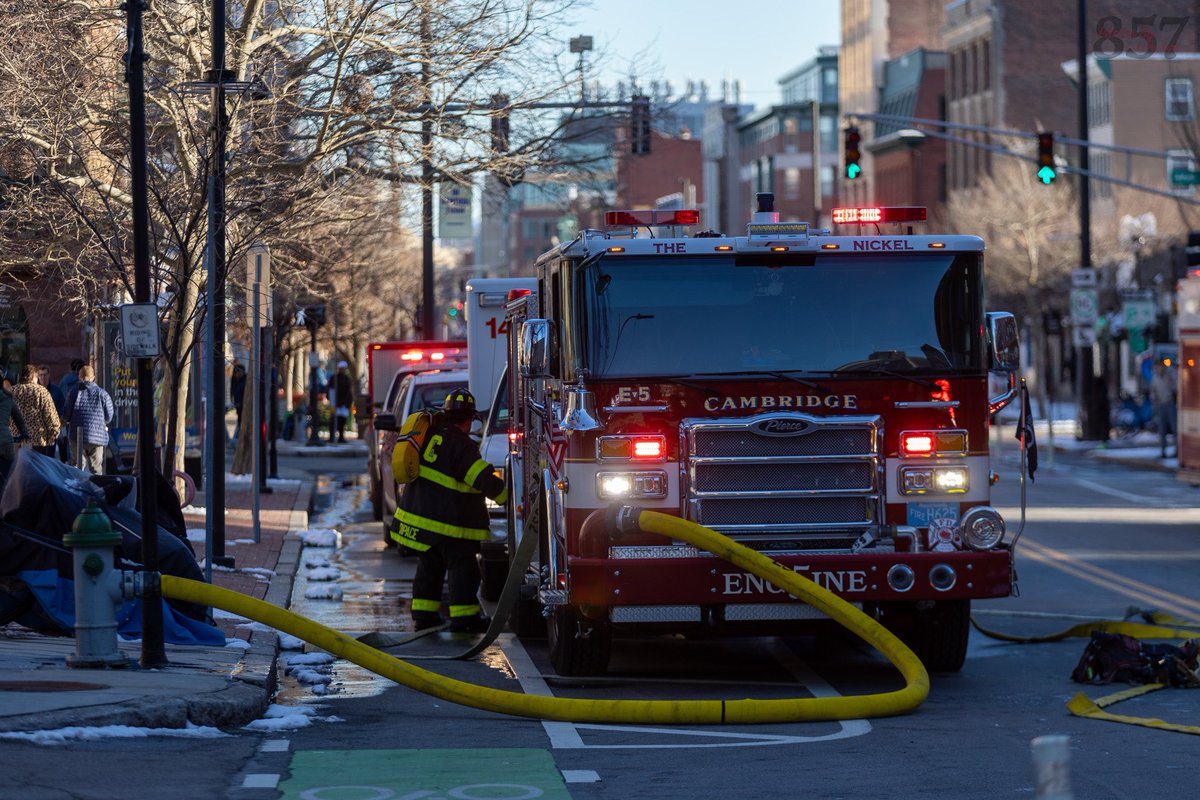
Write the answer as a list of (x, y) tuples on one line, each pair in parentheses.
[(1004, 151)]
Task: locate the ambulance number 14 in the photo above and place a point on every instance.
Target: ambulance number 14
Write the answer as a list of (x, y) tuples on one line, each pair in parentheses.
[(501, 329)]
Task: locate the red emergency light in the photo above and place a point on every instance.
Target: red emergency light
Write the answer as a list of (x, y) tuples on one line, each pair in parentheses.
[(874, 214), (679, 216), (513, 294)]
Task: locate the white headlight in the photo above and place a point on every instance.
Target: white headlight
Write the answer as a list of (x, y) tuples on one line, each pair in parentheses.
[(952, 479), (612, 485), (615, 484)]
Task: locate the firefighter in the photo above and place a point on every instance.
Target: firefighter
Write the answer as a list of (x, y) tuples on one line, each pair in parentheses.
[(443, 517)]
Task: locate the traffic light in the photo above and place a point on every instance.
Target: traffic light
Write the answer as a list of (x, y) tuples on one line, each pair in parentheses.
[(639, 124), (853, 139), (1046, 173), (500, 123), (456, 309)]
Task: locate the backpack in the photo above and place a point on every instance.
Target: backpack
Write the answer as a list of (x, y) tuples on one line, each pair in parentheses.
[(410, 443), (1114, 657)]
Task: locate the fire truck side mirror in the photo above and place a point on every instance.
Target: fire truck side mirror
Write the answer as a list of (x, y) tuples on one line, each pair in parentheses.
[(534, 356), (1005, 342)]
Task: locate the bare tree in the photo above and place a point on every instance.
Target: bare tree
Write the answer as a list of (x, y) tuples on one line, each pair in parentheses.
[(1032, 237), (351, 106)]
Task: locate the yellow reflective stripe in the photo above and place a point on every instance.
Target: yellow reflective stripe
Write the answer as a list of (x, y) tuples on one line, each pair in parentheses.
[(476, 468), (426, 605), (442, 479), (461, 611), (454, 531), (501, 498)]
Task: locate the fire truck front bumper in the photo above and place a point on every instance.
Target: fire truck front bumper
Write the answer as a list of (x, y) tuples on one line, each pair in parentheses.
[(645, 579)]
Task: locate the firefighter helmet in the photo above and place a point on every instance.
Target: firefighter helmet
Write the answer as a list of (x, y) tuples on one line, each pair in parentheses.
[(460, 402)]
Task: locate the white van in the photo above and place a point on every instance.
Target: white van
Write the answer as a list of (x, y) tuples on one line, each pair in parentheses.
[(487, 333)]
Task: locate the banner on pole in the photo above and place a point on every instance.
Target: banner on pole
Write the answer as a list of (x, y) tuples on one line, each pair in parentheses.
[(454, 211)]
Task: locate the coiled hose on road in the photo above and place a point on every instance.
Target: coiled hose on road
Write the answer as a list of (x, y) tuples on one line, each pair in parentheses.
[(633, 712)]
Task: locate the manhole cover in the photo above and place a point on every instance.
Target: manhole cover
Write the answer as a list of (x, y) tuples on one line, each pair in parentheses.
[(48, 686)]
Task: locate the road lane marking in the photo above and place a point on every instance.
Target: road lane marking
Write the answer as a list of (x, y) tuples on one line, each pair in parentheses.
[(275, 746), (565, 735), (1106, 515), (1159, 598)]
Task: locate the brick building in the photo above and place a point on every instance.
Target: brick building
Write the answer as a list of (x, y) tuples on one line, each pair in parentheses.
[(672, 167), (790, 149), (1004, 60), (874, 32), (909, 166)]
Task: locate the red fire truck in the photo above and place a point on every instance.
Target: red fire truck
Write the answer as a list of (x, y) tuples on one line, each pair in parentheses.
[(820, 398)]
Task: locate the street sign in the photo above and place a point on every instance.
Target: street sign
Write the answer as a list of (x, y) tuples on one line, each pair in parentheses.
[(258, 272), (1083, 278), (139, 330), (1085, 307), (1181, 176)]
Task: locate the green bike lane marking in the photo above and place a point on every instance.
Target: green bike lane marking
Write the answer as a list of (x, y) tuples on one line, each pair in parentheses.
[(435, 774)]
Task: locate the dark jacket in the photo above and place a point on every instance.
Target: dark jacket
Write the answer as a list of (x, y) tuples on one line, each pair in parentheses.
[(237, 387), (9, 411), (342, 388), (89, 409), (446, 499)]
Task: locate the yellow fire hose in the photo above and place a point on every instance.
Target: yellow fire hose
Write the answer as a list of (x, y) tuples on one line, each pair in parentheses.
[(1157, 626), (633, 712)]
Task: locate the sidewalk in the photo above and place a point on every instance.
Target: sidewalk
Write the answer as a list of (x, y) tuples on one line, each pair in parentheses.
[(211, 686), (231, 686)]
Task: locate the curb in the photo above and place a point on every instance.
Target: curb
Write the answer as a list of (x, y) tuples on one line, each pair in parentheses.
[(257, 672)]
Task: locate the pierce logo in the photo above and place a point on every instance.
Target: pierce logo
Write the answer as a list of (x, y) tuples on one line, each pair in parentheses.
[(782, 427)]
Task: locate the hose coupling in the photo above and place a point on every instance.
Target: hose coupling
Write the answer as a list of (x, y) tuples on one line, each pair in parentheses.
[(140, 584), (621, 520)]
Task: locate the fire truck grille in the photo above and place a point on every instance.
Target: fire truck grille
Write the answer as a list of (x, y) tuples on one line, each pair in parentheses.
[(726, 443), (768, 477), (770, 512), (816, 489)]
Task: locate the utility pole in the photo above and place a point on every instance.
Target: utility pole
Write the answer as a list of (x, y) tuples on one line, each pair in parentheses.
[(427, 289), (154, 654), (1089, 368), (218, 76)]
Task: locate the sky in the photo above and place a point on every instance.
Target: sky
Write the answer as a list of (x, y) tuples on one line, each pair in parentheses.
[(756, 42)]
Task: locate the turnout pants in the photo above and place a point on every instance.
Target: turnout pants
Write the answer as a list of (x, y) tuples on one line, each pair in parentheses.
[(457, 557)]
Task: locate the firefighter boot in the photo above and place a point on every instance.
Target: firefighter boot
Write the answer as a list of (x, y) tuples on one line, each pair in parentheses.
[(426, 619)]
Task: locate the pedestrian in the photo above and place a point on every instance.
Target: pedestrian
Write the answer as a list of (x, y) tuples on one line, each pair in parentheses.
[(70, 379), (341, 389), (89, 412), (1162, 395), (9, 412), (237, 391), (443, 517), (37, 408), (60, 406)]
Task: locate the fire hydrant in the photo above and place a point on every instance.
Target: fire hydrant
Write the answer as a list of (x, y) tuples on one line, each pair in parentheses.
[(97, 590)]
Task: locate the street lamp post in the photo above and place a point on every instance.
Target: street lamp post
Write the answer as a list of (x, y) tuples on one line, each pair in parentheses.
[(153, 650)]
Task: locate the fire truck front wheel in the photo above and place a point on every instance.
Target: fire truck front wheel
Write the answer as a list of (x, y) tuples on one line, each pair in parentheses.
[(578, 646), (936, 630)]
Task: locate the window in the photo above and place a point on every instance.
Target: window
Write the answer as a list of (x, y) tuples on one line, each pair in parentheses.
[(1182, 160), (1181, 99), (791, 183)]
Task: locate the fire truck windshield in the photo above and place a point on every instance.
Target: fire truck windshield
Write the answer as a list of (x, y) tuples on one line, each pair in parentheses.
[(812, 313)]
